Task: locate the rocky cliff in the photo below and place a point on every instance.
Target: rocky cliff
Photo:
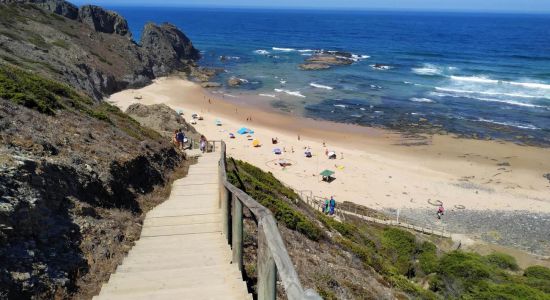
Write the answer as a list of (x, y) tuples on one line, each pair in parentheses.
[(76, 174), (90, 48)]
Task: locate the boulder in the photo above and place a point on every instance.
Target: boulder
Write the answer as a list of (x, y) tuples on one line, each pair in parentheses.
[(159, 117), (235, 82), (103, 20), (168, 47), (210, 84)]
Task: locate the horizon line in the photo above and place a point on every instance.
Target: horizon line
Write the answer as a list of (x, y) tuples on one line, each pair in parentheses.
[(324, 9)]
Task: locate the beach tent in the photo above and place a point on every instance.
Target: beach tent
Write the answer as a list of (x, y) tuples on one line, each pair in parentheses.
[(256, 143), (231, 136), (218, 122), (245, 130), (180, 111), (327, 175), (308, 153), (331, 155), (277, 151)]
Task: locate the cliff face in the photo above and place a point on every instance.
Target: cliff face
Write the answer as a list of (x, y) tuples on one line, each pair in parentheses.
[(76, 174), (168, 48), (90, 48), (103, 20)]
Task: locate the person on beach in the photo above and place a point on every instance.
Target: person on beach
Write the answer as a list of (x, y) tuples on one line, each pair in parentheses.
[(203, 142), (175, 139), (326, 208), (440, 211), (332, 204)]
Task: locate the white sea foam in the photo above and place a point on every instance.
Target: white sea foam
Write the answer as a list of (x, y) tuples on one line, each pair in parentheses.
[(478, 79), (283, 81), (230, 96), (531, 85), (283, 49), (505, 101), (422, 100), (261, 51), (292, 93), (305, 50), (491, 93), (381, 67), (307, 54), (340, 105), (511, 124), (428, 70), (268, 95), (363, 108), (320, 86)]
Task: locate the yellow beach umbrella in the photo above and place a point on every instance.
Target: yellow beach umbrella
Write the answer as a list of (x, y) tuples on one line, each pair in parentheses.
[(256, 143)]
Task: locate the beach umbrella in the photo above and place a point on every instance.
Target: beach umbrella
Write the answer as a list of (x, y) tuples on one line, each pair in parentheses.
[(277, 151), (256, 143), (231, 136), (243, 130), (327, 174), (218, 122), (180, 111)]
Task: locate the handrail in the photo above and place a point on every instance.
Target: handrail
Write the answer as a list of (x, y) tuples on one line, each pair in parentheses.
[(273, 258)]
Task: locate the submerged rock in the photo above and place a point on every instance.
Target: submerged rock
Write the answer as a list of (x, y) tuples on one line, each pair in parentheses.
[(235, 82)]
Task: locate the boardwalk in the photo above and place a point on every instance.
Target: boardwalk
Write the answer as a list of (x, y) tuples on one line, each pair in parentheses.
[(181, 253)]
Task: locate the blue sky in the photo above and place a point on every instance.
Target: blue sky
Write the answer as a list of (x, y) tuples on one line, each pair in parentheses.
[(542, 6)]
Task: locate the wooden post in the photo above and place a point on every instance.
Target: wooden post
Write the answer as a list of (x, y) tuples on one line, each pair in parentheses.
[(226, 198), (267, 270), (237, 236)]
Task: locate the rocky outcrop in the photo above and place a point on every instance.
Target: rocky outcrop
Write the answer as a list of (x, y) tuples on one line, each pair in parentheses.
[(326, 59), (167, 47), (92, 51), (161, 118), (59, 7), (235, 82), (104, 20)]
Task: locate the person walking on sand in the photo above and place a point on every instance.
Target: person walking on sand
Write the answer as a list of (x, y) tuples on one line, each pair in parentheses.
[(203, 142), (332, 204), (440, 211)]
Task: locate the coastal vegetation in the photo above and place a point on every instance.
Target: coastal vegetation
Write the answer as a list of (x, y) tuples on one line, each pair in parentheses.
[(409, 262)]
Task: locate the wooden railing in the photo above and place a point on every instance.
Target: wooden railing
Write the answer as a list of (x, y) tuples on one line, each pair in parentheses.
[(273, 259)]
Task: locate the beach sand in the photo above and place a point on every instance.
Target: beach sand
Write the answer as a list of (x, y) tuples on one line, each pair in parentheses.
[(379, 168)]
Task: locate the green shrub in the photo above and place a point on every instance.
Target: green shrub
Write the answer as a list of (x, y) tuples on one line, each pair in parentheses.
[(502, 261), (538, 272), (428, 258), (272, 194), (399, 246), (61, 44), (511, 291)]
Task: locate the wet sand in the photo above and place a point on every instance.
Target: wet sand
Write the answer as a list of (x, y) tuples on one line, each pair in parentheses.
[(379, 168)]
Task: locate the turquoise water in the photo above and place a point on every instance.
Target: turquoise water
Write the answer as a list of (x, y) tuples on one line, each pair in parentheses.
[(474, 74)]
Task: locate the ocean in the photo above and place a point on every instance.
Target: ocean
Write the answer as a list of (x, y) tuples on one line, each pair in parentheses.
[(477, 75)]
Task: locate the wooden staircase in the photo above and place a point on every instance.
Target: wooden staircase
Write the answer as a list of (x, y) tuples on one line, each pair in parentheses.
[(182, 253)]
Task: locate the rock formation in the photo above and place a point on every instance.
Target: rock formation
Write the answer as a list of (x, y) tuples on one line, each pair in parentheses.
[(326, 59), (59, 7), (167, 47), (235, 82), (104, 20), (91, 49)]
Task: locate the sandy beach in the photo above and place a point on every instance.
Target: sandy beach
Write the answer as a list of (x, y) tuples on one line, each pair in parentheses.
[(374, 167)]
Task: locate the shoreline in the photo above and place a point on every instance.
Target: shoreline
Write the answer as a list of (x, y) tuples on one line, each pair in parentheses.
[(477, 174)]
